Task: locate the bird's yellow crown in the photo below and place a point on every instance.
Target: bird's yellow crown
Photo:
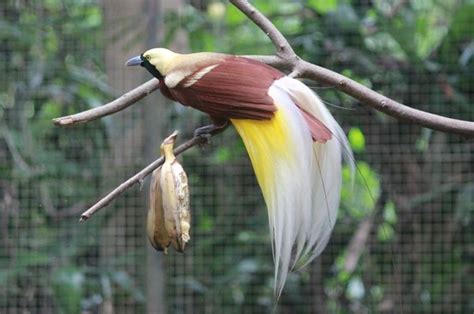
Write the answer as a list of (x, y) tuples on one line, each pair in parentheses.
[(160, 58)]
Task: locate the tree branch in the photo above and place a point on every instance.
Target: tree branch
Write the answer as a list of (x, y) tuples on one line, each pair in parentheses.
[(140, 176), (384, 104), (303, 69), (118, 104), (284, 49), (285, 58)]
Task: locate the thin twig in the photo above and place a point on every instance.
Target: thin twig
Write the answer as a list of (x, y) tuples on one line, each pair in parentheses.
[(118, 104), (140, 176)]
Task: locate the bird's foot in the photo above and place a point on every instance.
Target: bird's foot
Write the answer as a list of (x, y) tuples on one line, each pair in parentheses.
[(208, 131)]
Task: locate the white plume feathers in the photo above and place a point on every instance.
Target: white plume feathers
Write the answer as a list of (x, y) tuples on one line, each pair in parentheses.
[(307, 222), (300, 179)]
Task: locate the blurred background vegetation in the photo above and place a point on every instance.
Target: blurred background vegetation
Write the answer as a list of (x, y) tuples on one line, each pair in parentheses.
[(404, 240)]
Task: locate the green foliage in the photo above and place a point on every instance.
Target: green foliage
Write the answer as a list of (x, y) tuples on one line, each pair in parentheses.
[(323, 7), (418, 52), (359, 199), (50, 69), (356, 139)]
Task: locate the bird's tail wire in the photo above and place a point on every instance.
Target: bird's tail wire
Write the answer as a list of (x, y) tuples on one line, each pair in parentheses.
[(280, 159), (348, 155), (308, 101), (374, 203), (293, 174), (256, 135)]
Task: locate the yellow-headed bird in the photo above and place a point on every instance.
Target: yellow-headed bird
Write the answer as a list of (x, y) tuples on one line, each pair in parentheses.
[(294, 143)]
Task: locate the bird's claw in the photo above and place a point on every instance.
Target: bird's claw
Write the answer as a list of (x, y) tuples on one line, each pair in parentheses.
[(208, 131), (205, 132)]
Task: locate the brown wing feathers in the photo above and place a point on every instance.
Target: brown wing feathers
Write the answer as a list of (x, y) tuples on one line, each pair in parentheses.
[(236, 88)]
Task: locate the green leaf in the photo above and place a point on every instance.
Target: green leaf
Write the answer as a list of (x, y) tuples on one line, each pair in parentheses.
[(343, 276), (50, 110), (360, 198), (323, 6), (234, 16), (357, 139), (461, 28), (390, 213), (385, 232)]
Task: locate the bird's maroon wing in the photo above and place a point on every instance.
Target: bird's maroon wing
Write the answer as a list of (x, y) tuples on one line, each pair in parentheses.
[(235, 88)]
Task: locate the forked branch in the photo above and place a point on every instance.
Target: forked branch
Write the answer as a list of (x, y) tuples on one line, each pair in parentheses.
[(300, 68), (286, 58)]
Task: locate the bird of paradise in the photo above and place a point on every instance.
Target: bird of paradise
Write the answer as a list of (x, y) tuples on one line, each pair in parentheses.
[(295, 145)]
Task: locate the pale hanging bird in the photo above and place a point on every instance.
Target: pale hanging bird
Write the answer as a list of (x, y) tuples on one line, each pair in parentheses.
[(294, 143)]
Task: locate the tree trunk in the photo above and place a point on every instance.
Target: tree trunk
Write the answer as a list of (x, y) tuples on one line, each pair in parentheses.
[(132, 27)]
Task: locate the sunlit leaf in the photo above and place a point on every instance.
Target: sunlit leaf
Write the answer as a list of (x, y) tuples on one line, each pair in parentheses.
[(343, 276), (323, 6), (360, 198), (357, 139)]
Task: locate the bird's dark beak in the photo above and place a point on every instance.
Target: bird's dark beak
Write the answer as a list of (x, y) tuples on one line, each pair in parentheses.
[(134, 61)]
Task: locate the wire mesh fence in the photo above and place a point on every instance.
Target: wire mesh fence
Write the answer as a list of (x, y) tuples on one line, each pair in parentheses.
[(403, 241)]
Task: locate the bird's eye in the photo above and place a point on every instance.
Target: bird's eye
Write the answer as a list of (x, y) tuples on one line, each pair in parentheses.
[(148, 57)]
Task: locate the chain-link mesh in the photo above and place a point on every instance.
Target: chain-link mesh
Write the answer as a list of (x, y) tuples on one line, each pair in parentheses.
[(403, 238)]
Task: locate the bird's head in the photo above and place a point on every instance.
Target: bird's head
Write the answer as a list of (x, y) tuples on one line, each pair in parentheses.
[(156, 61)]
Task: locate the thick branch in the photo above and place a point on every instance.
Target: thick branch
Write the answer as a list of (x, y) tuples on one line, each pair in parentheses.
[(382, 103), (118, 104), (287, 59), (139, 177), (304, 69), (284, 49)]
